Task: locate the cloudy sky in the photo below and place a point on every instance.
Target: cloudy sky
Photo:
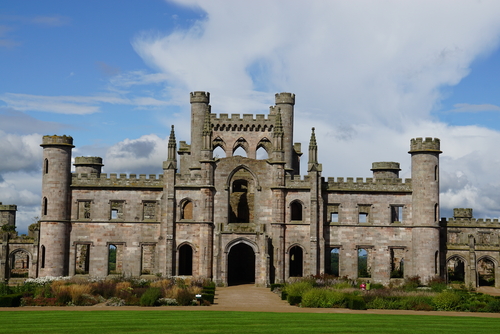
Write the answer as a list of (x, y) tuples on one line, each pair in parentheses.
[(369, 75)]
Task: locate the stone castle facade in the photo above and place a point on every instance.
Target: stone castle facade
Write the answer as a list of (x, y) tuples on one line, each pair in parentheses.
[(250, 218)]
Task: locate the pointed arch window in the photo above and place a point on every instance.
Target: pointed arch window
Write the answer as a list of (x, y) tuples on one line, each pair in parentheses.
[(187, 210), (296, 211)]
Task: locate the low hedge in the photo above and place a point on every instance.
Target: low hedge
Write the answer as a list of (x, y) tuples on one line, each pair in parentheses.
[(12, 300), (208, 297)]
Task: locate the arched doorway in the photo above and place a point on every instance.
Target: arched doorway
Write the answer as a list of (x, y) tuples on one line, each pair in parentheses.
[(185, 260), (296, 261), (19, 263), (486, 272), (241, 265), (455, 269)]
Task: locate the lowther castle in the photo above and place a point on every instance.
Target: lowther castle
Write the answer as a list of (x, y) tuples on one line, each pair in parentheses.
[(249, 217)]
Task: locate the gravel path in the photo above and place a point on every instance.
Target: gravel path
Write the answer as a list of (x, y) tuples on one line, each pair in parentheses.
[(249, 298)]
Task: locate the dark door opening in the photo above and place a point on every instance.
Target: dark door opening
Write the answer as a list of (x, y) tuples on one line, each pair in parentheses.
[(241, 265), (296, 260)]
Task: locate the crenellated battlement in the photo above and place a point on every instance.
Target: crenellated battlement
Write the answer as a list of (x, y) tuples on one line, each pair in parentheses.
[(297, 181), (246, 123), (57, 141), (103, 180), (285, 98), (8, 207), (199, 97), (370, 184), (462, 213), (470, 222), (425, 145)]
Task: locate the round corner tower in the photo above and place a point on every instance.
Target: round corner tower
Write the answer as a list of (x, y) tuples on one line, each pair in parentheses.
[(199, 104), (55, 216), (286, 102), (425, 206)]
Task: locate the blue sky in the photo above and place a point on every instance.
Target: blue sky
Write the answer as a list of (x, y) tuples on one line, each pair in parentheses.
[(368, 75)]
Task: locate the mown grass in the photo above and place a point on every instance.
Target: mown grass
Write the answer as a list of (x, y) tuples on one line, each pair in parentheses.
[(165, 321)]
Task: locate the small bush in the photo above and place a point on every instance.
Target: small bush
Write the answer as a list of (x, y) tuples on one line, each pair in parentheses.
[(295, 290), (437, 284), (209, 297), (411, 283), (115, 301), (150, 297), (322, 298), (294, 300), (276, 286), (167, 302), (12, 300), (185, 297), (105, 288), (447, 301), (356, 302), (493, 306)]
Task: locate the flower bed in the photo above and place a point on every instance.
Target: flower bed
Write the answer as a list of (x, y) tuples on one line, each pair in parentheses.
[(118, 291)]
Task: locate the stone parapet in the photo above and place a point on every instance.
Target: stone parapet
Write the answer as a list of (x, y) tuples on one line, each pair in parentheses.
[(473, 222), (243, 124), (378, 185), (462, 213), (200, 97), (284, 98), (425, 145), (8, 207), (102, 180), (297, 182), (88, 161), (57, 141)]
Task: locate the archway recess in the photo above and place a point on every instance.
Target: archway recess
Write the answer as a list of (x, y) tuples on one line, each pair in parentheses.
[(241, 265)]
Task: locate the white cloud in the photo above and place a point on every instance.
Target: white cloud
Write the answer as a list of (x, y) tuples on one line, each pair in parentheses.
[(366, 74), (22, 152), (144, 155)]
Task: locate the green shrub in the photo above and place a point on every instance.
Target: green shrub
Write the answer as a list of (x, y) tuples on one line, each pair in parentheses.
[(342, 285), (322, 298), (294, 300), (208, 297), (5, 289), (12, 300), (276, 286), (295, 290), (184, 297), (493, 306), (437, 284), (150, 297), (283, 295), (447, 301), (356, 302), (411, 283)]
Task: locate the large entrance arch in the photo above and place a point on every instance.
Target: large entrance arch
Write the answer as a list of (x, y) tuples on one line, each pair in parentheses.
[(241, 265)]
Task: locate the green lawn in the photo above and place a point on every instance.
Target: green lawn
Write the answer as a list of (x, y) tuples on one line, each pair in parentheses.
[(164, 321)]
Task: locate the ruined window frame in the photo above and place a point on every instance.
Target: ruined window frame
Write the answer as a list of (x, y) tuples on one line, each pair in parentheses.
[(148, 270), (86, 267), (333, 209), (364, 213), (296, 210), (401, 269), (397, 214), (144, 205), (81, 212), (120, 216), (368, 249)]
